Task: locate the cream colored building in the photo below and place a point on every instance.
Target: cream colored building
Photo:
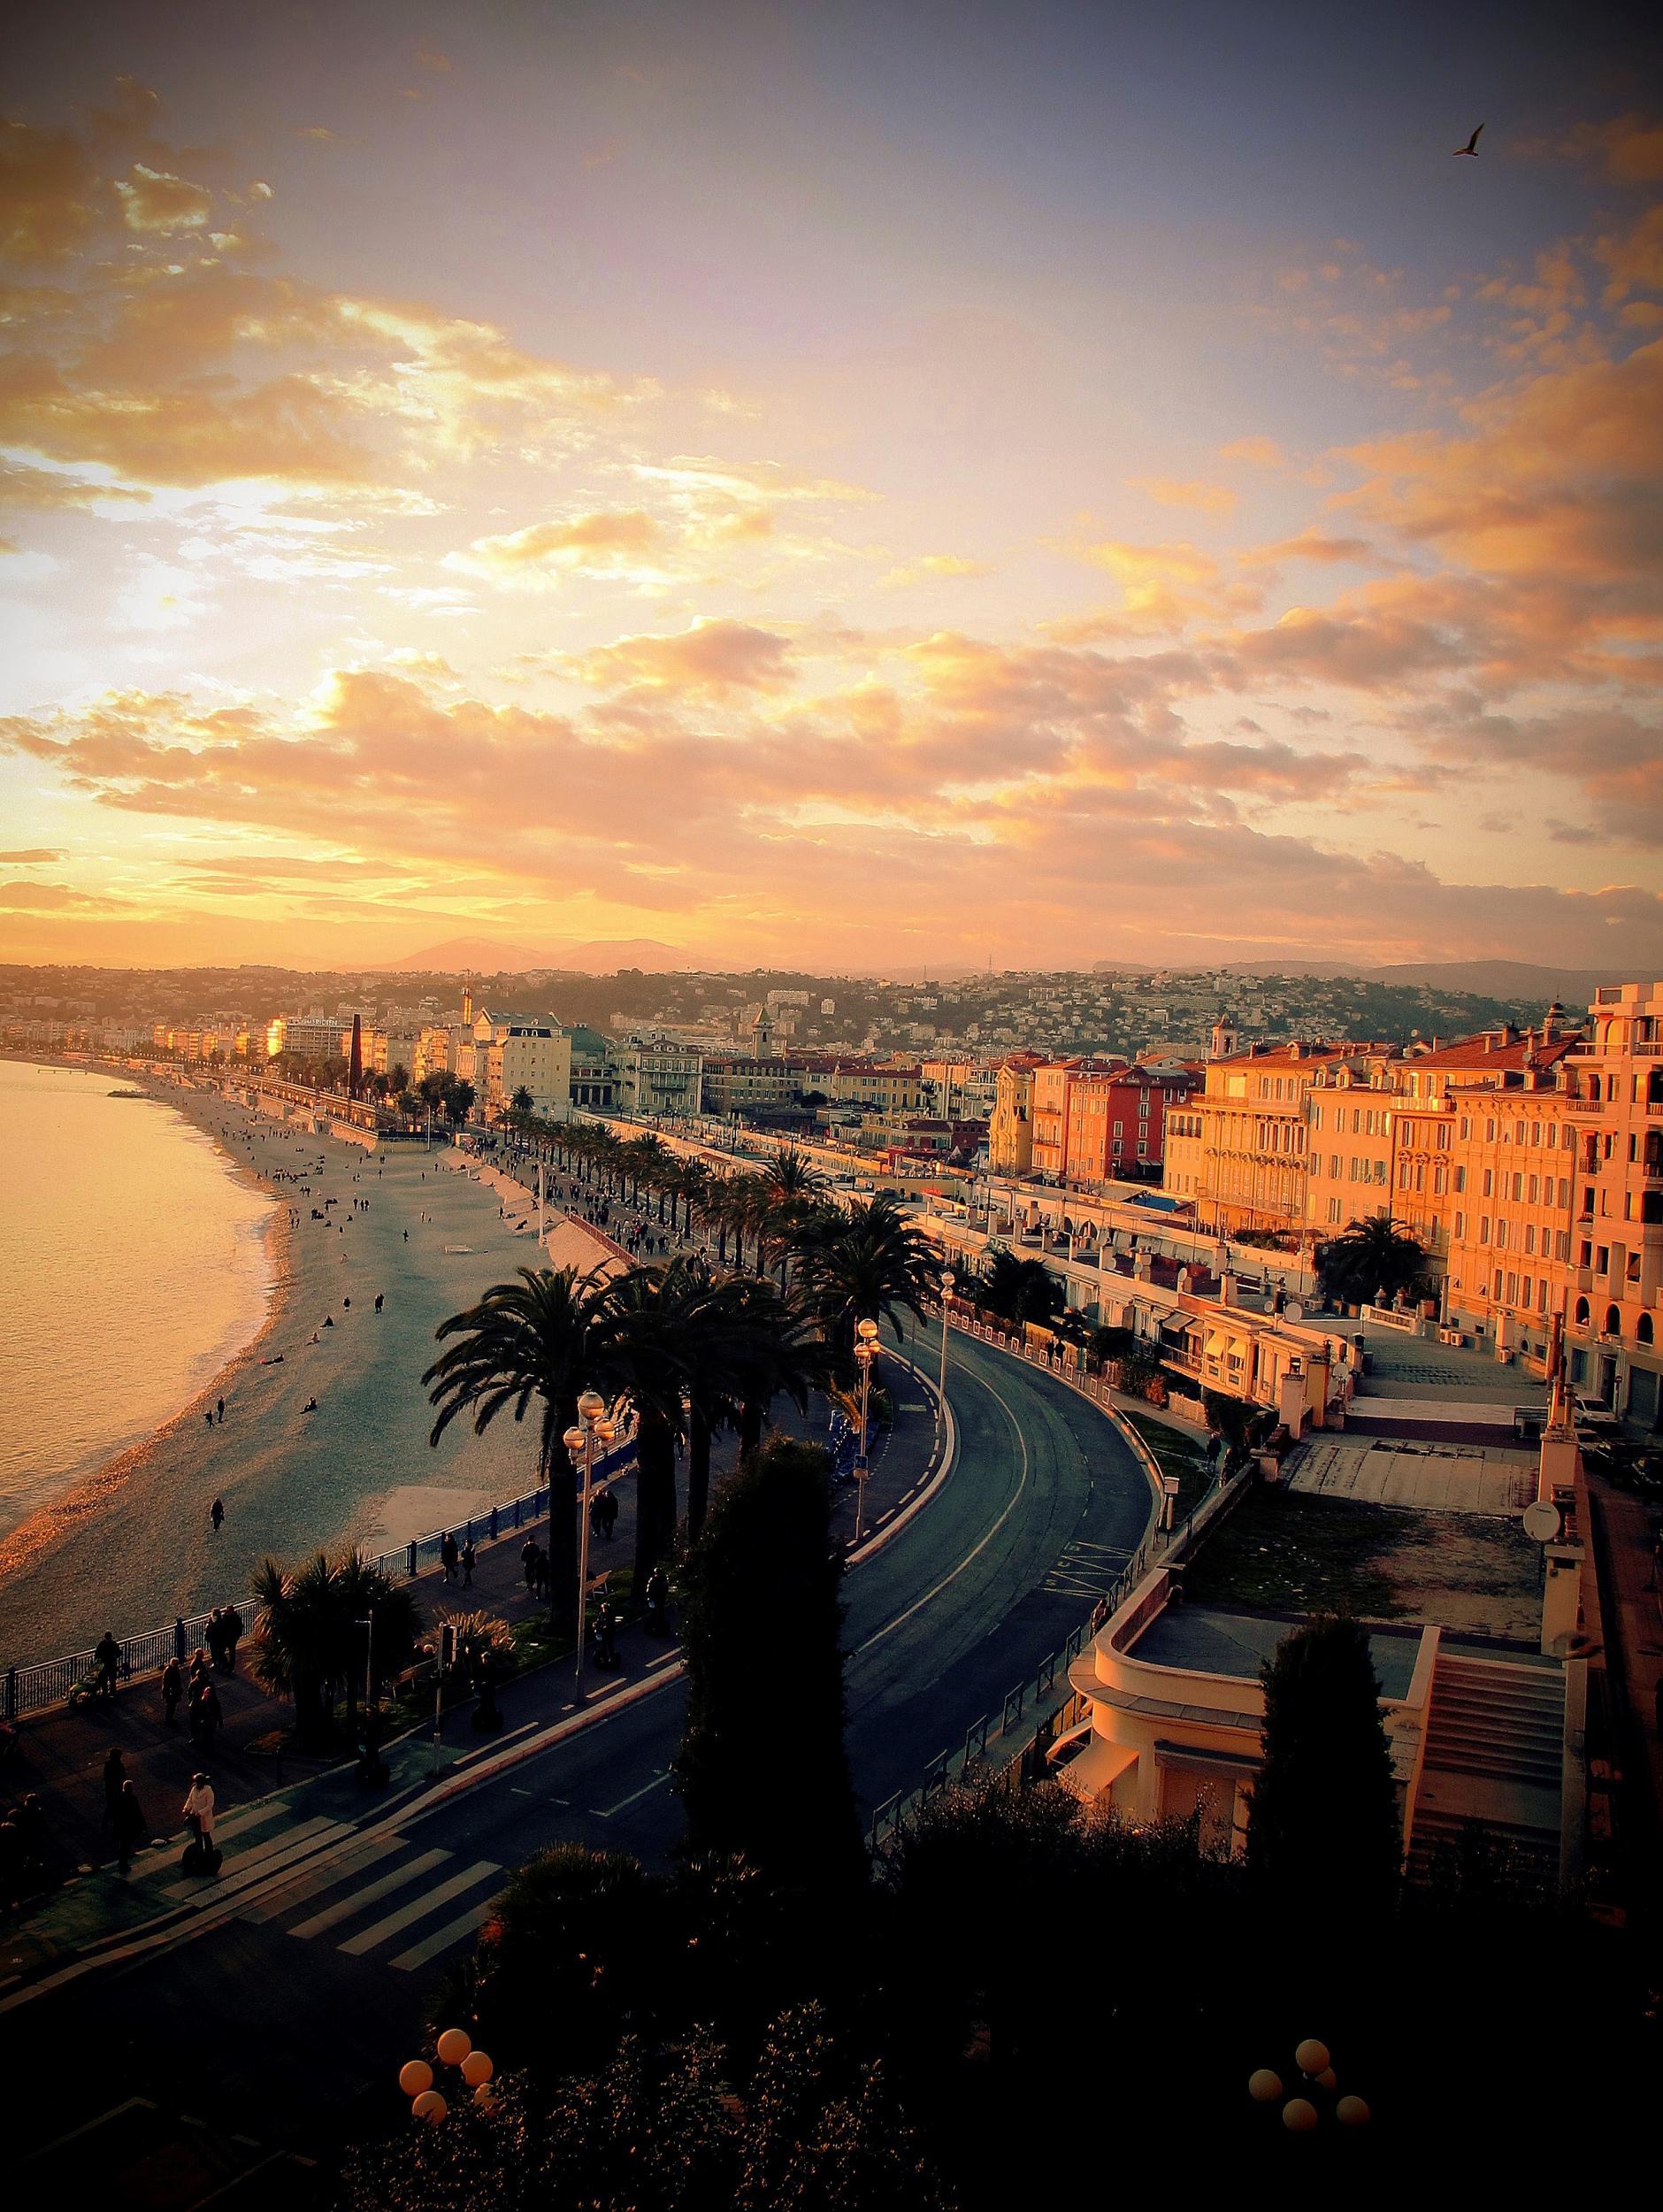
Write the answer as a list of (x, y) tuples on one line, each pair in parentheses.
[(1010, 1129)]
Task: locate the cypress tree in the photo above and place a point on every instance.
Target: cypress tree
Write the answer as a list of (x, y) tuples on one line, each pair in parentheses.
[(1324, 1829), (763, 1770)]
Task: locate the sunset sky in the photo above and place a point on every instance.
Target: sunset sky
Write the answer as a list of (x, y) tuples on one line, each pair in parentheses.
[(861, 486)]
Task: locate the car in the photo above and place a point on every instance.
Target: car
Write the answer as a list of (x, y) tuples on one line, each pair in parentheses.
[(1594, 1414)]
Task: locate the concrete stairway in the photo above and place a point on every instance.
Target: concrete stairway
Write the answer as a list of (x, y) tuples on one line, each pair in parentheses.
[(1494, 1747)]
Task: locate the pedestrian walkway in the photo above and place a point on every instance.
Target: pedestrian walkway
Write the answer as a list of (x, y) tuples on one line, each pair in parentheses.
[(1430, 1475), (317, 1802)]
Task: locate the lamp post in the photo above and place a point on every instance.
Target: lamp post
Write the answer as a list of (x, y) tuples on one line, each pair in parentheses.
[(594, 1428), (949, 1284), (865, 1353)]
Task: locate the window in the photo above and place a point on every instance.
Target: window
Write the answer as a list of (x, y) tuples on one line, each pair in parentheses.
[(1614, 1321), (1333, 1211), (1460, 1178), (1579, 1317), (1460, 1225), (1489, 1182)]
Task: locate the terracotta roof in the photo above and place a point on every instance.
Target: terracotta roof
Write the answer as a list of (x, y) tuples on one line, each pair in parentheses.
[(1485, 1053)]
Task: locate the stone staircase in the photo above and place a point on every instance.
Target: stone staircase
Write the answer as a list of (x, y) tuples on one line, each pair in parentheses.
[(1494, 1748)]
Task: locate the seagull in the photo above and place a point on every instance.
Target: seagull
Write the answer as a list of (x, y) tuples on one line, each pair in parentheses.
[(1471, 147)]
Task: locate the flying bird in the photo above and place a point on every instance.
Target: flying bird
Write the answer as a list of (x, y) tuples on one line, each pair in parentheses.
[(1471, 147)]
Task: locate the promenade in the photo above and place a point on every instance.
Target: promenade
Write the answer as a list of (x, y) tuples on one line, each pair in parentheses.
[(60, 1756)]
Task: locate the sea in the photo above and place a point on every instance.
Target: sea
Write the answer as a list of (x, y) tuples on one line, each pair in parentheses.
[(133, 1264)]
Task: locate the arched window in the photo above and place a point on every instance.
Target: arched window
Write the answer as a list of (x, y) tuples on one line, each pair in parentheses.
[(1579, 1319), (1614, 1321), (1643, 1329)]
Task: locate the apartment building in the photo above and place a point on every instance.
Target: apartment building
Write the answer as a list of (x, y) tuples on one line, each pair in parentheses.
[(1238, 1150), (1116, 1121), (515, 1052), (1010, 1127), (1055, 1085), (659, 1075), (1614, 1102)]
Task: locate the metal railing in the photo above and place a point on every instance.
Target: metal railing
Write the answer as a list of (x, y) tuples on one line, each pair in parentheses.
[(50, 1683)]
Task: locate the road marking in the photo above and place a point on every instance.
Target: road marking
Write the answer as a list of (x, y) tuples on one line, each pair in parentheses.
[(969, 1557), (313, 1880), (348, 1905), (257, 1863), (469, 1923), (418, 1908), (623, 1803)]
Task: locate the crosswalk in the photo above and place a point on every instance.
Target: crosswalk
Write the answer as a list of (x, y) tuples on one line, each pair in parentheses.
[(378, 1897), (1086, 1570)]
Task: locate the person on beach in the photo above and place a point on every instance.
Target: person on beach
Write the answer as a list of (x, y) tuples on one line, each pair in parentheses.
[(128, 1822), (217, 1510), (221, 1409), (380, 1300), (107, 1652), (311, 1406), (208, 1416), (172, 1690)]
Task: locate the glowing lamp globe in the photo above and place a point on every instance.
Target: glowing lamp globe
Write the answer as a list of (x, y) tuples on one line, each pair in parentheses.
[(477, 2070), (430, 2105), (453, 2046), (1298, 2115), (1351, 2112), (591, 1405), (1328, 2079), (415, 2076), (1263, 2086), (1311, 2056), (573, 1440), (866, 1331)]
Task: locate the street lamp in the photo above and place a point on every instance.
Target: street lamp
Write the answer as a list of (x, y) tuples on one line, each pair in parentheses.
[(865, 1353), (455, 2048), (595, 1428), (949, 1284)]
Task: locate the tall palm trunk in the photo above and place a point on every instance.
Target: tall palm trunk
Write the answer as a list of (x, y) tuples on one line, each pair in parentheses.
[(698, 1465), (655, 1493), (561, 1478), (752, 1414)]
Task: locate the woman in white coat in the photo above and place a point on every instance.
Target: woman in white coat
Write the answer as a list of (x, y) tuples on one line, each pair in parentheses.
[(199, 1809)]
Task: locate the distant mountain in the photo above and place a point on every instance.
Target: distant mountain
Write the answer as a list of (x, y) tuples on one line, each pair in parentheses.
[(485, 956), (465, 955), (604, 955)]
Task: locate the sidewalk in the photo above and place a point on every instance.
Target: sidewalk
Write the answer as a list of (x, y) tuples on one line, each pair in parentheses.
[(265, 1808)]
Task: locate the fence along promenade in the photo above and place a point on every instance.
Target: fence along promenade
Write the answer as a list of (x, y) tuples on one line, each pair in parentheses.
[(51, 1682)]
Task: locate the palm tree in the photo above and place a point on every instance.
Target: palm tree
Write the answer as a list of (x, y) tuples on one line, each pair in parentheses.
[(522, 1101), (526, 1339), (876, 1266), (309, 1641), (639, 1350), (1372, 1257)]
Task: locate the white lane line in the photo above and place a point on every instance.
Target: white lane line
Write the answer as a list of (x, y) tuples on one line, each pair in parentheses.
[(263, 1860), (623, 1803), (969, 1557), (348, 1905), (469, 1923), (313, 1880), (418, 1908)]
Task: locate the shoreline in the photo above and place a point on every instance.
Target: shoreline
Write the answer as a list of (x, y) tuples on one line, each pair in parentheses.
[(130, 1545)]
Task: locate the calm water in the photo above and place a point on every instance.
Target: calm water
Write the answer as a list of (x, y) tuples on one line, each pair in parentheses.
[(132, 1264)]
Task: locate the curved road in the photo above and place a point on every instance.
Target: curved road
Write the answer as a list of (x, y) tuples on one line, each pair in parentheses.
[(1039, 1512)]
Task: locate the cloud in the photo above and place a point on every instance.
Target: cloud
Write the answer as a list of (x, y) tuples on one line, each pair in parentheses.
[(1628, 148), (48, 195), (1311, 544), (1207, 499), (933, 566), (1257, 452), (157, 204), (30, 856), (713, 657), (593, 543)]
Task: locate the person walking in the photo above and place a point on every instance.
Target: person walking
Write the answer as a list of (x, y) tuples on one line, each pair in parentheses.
[(528, 1562), (129, 1827), (172, 1690), (199, 1811), (467, 1564), (448, 1556), (217, 1514), (231, 1623), (107, 1652), (221, 1410)]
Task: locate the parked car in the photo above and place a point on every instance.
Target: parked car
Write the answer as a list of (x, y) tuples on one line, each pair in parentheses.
[(1594, 1414)]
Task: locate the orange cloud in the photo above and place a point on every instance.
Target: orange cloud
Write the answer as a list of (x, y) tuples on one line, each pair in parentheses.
[(1207, 499), (593, 543), (712, 657), (154, 202), (1629, 149)]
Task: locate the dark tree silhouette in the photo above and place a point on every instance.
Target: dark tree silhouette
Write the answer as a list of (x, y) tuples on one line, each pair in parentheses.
[(761, 1629)]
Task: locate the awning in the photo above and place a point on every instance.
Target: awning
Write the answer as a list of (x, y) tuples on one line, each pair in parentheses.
[(1181, 1327), (1097, 1768)]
